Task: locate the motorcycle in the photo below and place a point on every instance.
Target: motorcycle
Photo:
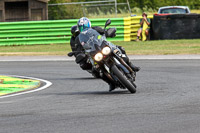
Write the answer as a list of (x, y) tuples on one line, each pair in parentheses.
[(106, 59)]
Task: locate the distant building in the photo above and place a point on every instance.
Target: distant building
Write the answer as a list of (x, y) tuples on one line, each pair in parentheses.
[(23, 10)]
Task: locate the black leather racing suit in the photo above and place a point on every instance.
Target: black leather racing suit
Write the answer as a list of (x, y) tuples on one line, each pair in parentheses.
[(76, 46)]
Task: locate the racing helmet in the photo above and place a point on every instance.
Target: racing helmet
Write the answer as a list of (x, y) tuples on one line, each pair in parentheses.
[(74, 30), (83, 23)]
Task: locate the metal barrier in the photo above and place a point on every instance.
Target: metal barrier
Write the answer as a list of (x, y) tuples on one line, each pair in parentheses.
[(59, 31), (131, 26), (35, 32)]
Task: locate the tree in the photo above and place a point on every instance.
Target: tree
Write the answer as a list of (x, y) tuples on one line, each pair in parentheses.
[(64, 11)]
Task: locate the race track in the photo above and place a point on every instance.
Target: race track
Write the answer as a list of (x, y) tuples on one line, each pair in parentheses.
[(167, 100)]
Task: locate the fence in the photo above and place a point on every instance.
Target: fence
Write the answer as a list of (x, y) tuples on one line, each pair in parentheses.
[(59, 31)]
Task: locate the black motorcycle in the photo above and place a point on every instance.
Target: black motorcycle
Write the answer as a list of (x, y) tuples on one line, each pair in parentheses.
[(106, 59)]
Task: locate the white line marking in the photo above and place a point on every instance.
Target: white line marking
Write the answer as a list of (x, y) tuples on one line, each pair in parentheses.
[(35, 58), (48, 83)]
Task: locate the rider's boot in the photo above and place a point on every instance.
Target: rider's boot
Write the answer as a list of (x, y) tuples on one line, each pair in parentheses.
[(126, 59), (135, 68), (111, 87)]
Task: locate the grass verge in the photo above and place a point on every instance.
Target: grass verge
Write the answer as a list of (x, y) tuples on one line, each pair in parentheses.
[(159, 47)]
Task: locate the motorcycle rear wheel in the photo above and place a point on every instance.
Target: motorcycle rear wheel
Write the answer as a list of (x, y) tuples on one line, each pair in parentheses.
[(119, 74)]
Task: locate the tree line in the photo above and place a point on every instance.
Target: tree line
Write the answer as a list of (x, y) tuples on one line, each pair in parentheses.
[(155, 4), (76, 11)]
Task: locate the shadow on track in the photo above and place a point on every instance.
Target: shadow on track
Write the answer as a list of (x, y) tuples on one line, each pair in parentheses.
[(83, 78), (118, 92)]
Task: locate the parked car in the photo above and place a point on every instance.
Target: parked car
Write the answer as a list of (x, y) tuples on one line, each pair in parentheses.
[(174, 10)]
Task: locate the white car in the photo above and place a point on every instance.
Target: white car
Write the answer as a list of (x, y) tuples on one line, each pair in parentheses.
[(174, 10)]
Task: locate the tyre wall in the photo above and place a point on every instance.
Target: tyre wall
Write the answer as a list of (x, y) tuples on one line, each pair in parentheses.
[(181, 26)]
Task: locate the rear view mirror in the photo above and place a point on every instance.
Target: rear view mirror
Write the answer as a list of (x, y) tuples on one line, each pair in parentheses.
[(108, 22), (111, 32)]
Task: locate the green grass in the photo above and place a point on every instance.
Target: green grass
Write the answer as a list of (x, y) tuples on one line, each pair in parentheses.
[(159, 47), (48, 49), (163, 47)]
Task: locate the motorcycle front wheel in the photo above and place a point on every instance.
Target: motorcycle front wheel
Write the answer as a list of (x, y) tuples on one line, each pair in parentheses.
[(123, 79)]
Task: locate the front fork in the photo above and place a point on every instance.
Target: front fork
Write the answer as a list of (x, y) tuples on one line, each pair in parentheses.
[(106, 64), (120, 63)]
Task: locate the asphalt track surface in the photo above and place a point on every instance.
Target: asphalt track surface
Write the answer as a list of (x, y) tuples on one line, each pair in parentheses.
[(167, 100)]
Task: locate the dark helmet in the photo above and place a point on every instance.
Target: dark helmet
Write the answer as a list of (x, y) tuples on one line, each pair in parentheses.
[(74, 30)]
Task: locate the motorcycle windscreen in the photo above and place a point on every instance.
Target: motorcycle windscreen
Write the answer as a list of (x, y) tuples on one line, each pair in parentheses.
[(89, 39)]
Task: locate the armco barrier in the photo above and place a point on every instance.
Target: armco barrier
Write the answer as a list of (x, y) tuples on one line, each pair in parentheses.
[(48, 32), (131, 26), (58, 31), (34, 32)]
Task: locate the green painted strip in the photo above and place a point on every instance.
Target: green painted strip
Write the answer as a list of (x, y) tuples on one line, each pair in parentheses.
[(55, 23), (35, 34), (10, 85), (36, 30), (33, 39)]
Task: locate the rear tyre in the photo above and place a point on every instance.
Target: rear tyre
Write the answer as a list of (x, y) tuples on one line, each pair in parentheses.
[(123, 79)]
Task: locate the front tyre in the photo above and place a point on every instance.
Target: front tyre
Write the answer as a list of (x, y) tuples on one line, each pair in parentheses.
[(123, 79)]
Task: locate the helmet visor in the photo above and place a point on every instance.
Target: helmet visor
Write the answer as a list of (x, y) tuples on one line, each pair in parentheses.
[(80, 28)]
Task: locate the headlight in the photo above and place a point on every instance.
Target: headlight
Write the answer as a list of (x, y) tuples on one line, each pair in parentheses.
[(106, 50), (98, 57)]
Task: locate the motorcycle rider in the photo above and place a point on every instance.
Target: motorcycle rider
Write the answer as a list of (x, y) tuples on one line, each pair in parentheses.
[(84, 24)]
